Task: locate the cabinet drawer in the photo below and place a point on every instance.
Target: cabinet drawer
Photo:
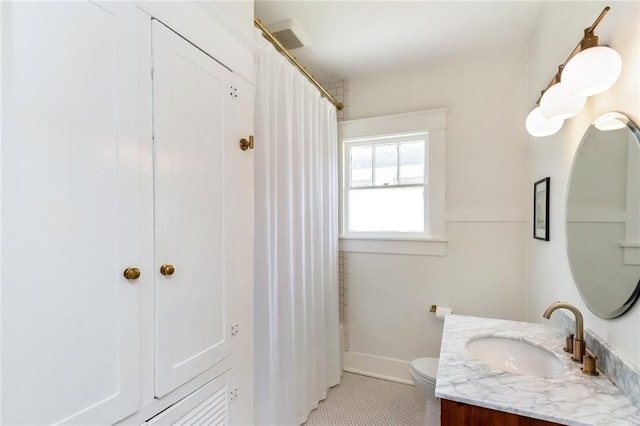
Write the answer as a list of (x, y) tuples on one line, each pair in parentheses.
[(209, 405)]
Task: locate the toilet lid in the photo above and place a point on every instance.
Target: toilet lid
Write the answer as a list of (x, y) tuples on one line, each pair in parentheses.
[(426, 368)]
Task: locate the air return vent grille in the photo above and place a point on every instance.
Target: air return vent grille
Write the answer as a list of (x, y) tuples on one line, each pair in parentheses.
[(289, 34)]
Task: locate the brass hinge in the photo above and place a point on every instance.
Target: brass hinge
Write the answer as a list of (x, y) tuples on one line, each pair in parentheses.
[(246, 144)]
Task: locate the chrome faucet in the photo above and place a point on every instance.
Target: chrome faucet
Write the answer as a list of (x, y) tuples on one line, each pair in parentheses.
[(578, 340)]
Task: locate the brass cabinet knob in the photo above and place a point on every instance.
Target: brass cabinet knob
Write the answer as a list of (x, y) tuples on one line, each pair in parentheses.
[(246, 144), (131, 273), (167, 269)]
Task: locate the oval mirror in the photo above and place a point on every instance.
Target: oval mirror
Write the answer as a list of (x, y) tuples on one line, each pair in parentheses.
[(603, 215)]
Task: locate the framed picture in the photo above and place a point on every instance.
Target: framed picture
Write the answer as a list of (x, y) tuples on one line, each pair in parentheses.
[(541, 209)]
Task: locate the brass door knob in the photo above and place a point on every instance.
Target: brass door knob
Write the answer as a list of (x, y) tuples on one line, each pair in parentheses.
[(131, 273), (167, 269), (246, 144)]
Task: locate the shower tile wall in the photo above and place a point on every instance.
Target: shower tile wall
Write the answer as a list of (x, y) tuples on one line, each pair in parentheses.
[(343, 280), (340, 90), (341, 284)]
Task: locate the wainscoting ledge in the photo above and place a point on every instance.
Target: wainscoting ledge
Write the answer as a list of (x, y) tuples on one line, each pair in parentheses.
[(485, 216)]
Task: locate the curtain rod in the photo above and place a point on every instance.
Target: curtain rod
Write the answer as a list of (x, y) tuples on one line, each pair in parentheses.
[(267, 34)]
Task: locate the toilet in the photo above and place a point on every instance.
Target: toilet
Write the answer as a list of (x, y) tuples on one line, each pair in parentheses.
[(423, 373)]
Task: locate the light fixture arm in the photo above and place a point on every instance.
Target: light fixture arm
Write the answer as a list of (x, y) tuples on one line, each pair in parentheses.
[(588, 40), (598, 19)]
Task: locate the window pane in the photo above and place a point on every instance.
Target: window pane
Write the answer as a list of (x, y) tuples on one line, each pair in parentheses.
[(386, 210), (386, 172), (361, 158), (412, 162)]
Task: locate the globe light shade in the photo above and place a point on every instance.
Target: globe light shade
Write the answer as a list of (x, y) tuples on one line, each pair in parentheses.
[(557, 103), (538, 125), (592, 71), (611, 121)]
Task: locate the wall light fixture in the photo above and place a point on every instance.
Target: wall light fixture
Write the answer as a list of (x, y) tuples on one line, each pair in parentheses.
[(589, 70), (538, 125), (611, 121)]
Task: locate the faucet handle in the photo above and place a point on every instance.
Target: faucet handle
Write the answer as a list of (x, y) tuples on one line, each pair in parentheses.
[(578, 350), (589, 363), (569, 342)]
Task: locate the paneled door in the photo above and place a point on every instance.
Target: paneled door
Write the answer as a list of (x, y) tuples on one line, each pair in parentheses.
[(70, 320), (194, 227)]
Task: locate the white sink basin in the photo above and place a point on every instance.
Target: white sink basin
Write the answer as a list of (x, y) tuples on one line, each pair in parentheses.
[(515, 356)]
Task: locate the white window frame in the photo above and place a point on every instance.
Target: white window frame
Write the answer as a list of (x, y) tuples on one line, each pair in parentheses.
[(433, 240), (349, 144)]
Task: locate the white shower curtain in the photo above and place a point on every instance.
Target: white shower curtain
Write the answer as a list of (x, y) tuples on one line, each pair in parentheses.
[(296, 293)]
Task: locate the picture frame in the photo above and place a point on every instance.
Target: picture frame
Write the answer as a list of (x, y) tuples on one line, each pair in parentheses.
[(541, 209)]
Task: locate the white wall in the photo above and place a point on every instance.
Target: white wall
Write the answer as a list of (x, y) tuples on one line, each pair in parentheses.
[(240, 12), (559, 28), (483, 272)]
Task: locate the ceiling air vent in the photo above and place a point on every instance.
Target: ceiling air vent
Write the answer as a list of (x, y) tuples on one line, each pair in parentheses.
[(289, 34)]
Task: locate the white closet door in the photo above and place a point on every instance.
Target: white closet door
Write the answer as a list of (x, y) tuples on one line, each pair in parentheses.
[(70, 323), (193, 210)]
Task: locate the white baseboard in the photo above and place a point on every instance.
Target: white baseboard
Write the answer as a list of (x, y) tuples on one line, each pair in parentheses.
[(395, 370)]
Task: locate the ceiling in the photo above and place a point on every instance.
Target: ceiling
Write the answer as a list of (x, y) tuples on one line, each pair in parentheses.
[(352, 38)]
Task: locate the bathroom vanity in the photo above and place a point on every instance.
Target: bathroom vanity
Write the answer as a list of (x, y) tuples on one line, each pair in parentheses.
[(545, 388)]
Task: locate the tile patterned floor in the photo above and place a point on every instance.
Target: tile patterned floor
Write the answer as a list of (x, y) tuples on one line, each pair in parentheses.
[(365, 401)]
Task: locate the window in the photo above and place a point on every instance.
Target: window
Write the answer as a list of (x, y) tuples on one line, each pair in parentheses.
[(392, 183), (386, 185)]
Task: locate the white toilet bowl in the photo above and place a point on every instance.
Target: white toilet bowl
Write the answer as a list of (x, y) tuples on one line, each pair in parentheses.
[(424, 373)]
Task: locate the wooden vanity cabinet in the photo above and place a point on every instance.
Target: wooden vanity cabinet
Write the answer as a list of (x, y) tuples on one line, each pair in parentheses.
[(460, 414)]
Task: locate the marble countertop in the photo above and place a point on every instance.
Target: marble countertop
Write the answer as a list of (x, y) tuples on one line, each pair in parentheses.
[(570, 398)]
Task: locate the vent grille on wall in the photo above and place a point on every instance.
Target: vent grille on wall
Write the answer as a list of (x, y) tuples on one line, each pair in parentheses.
[(289, 34)]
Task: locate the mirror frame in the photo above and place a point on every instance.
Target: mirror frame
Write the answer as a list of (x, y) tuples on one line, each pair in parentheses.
[(635, 294)]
